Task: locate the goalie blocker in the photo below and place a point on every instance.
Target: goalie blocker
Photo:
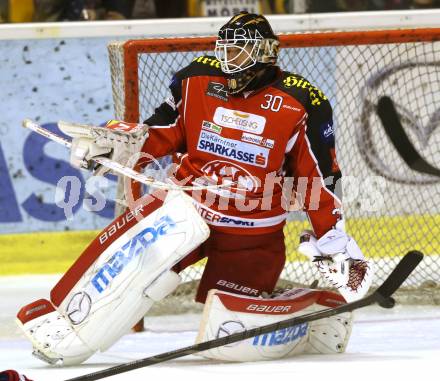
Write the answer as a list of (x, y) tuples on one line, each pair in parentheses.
[(115, 281), (225, 314)]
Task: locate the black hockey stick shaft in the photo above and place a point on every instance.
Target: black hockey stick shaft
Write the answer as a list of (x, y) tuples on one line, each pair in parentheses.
[(393, 127), (382, 296)]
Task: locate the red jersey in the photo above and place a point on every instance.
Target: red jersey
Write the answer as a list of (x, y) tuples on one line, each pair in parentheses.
[(277, 137)]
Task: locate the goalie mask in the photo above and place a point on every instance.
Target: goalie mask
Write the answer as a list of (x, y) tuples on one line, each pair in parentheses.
[(246, 45)]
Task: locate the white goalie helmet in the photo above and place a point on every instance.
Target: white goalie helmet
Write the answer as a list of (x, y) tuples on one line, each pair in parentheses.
[(246, 44)]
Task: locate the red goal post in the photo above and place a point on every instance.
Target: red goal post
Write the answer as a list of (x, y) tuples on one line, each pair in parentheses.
[(390, 207)]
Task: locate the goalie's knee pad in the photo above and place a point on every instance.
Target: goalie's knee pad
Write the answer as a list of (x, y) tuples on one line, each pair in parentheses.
[(227, 313), (115, 281)]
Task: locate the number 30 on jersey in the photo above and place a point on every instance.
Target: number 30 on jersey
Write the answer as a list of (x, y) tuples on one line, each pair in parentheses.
[(272, 102)]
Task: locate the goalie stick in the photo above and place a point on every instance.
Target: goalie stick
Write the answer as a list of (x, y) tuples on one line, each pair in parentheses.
[(393, 127), (382, 296), (118, 168)]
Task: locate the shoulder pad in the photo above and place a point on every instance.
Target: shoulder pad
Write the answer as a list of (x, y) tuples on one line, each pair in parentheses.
[(301, 89), (203, 65)]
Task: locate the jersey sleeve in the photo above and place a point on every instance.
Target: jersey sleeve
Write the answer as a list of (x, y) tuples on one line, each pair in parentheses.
[(312, 162), (166, 132)]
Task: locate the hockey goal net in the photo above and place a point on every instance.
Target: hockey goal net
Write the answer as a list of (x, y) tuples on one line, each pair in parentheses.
[(391, 205)]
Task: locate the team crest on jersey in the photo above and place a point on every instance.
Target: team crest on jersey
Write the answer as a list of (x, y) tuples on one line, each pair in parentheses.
[(233, 149), (220, 171), (217, 90), (239, 120)]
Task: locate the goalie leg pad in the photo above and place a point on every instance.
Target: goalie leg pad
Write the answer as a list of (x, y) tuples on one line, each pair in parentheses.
[(55, 339), (51, 334), (120, 275), (329, 335), (226, 313)]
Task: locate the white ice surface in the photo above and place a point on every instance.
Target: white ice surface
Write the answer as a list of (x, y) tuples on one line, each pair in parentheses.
[(399, 344)]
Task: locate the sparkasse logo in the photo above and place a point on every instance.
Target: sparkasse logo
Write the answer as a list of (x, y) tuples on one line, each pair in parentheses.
[(233, 149)]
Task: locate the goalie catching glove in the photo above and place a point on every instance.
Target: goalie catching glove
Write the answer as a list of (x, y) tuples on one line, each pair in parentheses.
[(340, 261), (118, 141)]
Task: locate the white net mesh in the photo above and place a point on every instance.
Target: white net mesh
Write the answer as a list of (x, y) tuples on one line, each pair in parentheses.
[(116, 56), (389, 207)]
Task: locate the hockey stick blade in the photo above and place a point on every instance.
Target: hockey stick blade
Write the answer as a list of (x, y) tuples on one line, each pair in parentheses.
[(403, 269), (382, 296)]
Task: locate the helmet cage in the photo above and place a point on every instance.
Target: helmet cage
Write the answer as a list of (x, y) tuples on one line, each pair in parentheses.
[(236, 55)]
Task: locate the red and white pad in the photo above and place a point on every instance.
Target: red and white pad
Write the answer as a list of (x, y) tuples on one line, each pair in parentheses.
[(226, 313), (115, 281)]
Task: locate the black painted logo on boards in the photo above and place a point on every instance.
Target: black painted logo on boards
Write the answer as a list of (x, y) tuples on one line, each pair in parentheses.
[(390, 114), (393, 127)]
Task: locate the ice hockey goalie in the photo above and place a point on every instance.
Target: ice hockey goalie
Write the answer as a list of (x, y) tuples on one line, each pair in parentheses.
[(236, 120)]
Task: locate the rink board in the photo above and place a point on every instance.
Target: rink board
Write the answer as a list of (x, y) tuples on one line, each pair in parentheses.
[(54, 252)]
